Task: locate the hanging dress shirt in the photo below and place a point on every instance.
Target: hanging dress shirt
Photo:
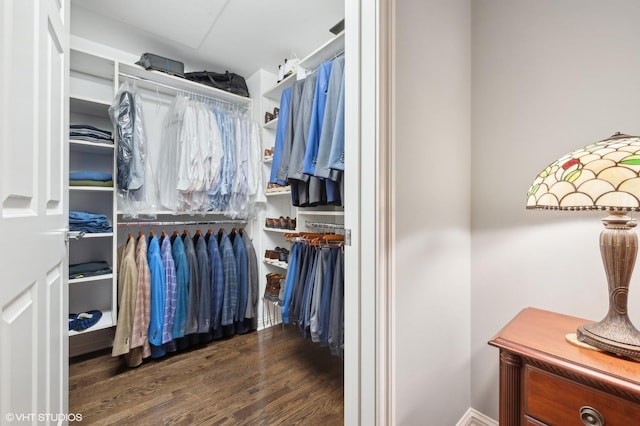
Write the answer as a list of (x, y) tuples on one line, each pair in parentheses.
[(158, 292), (217, 283), (139, 333), (334, 110), (242, 268), (278, 148), (127, 287), (253, 277), (294, 108), (317, 117), (171, 290), (204, 285), (230, 272), (182, 285), (192, 259)]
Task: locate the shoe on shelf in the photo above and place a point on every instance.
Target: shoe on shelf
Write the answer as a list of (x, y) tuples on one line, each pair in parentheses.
[(270, 222), (276, 112), (268, 117)]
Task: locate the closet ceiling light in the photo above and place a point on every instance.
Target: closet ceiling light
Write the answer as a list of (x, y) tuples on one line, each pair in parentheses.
[(602, 176)]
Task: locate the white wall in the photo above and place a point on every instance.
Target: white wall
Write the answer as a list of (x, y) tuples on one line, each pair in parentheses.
[(432, 211), (548, 77)]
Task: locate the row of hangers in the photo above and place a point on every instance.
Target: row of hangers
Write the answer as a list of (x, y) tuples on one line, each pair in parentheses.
[(316, 239), (198, 233)]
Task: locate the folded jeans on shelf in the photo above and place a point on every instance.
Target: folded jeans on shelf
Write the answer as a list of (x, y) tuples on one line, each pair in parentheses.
[(89, 269), (90, 175), (88, 222)]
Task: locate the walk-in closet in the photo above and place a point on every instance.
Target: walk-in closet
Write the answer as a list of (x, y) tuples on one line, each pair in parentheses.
[(206, 210)]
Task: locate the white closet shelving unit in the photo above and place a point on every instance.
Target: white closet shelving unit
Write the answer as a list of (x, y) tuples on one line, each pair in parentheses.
[(94, 81), (90, 93), (279, 203)]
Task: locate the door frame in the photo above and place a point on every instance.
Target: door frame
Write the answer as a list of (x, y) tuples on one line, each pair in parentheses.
[(369, 372)]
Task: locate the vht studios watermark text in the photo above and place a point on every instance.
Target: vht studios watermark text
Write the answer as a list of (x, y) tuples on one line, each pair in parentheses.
[(43, 417)]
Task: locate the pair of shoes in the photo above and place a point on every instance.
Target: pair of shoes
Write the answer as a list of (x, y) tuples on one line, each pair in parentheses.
[(268, 117), (280, 254), (84, 320), (280, 223), (287, 223), (268, 153), (275, 282), (274, 187)]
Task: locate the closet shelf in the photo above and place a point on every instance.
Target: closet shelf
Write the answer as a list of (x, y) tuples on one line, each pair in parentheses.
[(276, 263), (149, 213), (159, 81), (302, 212), (95, 235), (92, 64), (275, 92), (91, 188), (90, 147), (89, 106), (267, 160), (278, 230), (274, 193), (273, 124), (89, 279), (106, 321), (330, 49)]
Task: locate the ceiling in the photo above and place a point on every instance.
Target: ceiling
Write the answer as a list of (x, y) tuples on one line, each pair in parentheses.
[(239, 36)]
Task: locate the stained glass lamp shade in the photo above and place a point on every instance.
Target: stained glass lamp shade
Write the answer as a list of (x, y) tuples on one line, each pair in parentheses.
[(602, 176)]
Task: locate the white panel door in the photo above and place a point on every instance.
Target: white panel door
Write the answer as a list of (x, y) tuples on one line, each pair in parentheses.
[(34, 47)]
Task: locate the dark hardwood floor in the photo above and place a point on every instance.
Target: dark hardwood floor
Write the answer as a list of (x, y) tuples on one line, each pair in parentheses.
[(270, 377)]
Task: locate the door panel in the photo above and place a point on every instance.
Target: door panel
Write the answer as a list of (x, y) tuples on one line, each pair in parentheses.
[(33, 207)]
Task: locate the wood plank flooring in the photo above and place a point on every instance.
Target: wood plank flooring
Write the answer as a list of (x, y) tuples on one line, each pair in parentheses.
[(270, 377)]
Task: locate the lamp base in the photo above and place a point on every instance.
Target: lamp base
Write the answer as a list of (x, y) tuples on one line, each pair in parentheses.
[(616, 335)]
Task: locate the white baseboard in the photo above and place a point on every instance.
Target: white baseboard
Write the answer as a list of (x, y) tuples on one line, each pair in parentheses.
[(476, 418), (268, 321)]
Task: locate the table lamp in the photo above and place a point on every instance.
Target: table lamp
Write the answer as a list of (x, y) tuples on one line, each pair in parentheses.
[(602, 176)]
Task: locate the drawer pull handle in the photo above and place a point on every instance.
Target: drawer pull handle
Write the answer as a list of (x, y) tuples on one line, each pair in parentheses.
[(591, 416)]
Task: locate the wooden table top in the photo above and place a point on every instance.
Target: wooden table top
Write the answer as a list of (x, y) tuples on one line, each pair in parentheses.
[(540, 335)]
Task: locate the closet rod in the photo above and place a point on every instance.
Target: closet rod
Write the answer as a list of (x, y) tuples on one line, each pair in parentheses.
[(246, 107), (181, 222), (324, 225)]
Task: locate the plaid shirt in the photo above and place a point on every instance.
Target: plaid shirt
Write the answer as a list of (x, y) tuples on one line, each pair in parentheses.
[(217, 281), (142, 309), (171, 293), (230, 273), (182, 280)]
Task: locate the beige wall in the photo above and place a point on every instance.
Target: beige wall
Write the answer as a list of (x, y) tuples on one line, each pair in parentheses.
[(432, 211), (548, 77)]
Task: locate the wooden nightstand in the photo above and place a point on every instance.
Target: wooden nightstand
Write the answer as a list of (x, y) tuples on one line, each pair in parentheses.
[(544, 380)]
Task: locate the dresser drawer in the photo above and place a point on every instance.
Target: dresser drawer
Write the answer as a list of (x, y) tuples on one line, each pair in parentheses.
[(557, 401)]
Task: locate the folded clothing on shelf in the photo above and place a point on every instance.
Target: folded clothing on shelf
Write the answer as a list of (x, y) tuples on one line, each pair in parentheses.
[(89, 269), (89, 133), (90, 178), (88, 222), (90, 175)]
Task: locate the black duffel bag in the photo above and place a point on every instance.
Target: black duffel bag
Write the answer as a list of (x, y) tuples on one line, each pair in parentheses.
[(228, 81)]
